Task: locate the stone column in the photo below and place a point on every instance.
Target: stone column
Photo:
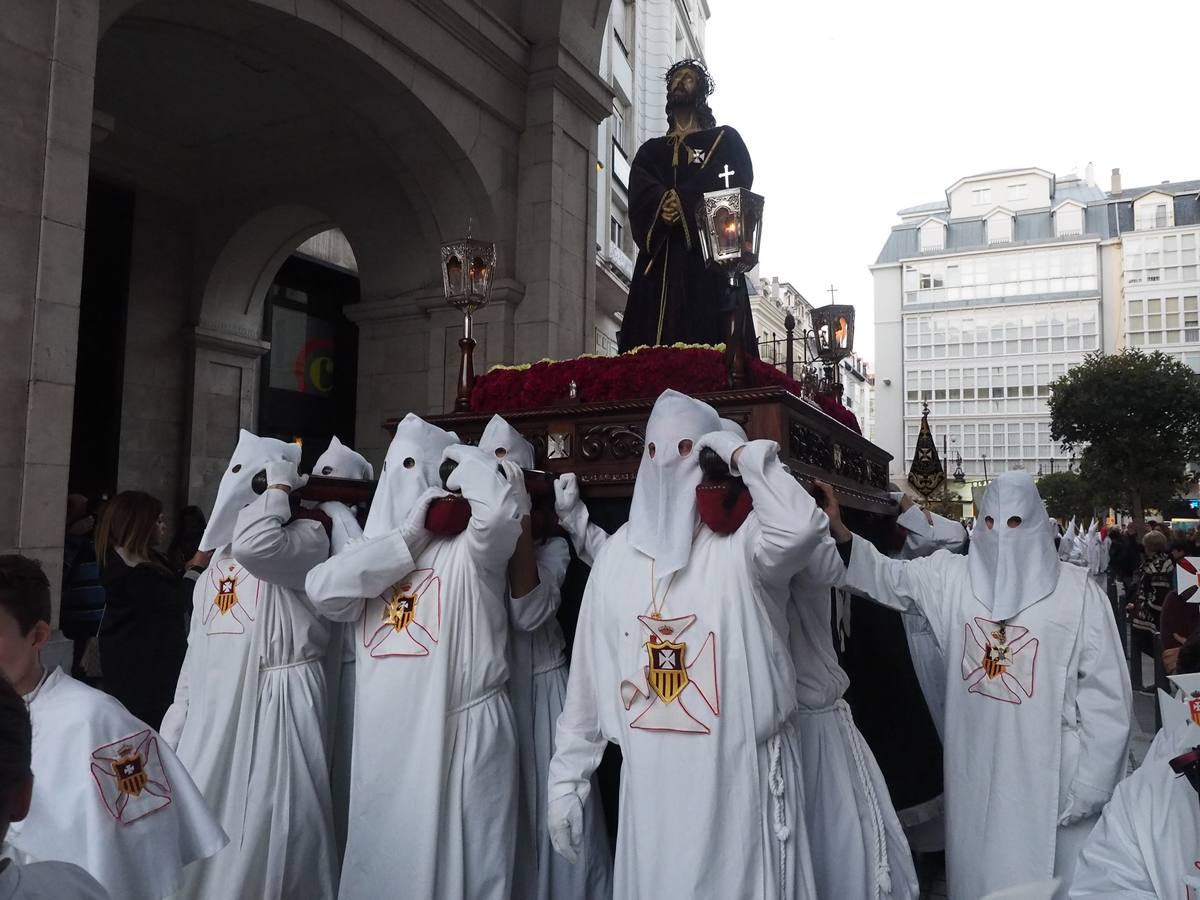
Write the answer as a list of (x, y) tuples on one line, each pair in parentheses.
[(47, 65), (556, 203)]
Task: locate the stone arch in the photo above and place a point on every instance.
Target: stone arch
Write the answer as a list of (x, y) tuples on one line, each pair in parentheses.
[(232, 299)]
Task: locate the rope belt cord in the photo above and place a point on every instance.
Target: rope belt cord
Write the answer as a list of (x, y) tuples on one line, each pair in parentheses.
[(483, 698), (883, 872), (775, 785), (290, 665)]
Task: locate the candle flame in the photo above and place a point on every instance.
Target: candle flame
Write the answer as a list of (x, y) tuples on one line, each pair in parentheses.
[(839, 333)]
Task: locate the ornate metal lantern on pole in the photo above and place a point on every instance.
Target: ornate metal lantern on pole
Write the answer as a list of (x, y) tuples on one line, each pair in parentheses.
[(730, 226), (467, 268), (833, 328)]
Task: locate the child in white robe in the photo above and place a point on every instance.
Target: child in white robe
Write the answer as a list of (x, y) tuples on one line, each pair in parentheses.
[(537, 686), (108, 794)]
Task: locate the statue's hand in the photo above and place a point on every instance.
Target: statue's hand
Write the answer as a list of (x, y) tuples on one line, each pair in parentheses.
[(671, 208)]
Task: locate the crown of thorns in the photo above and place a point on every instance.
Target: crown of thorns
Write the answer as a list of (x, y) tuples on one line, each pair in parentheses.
[(707, 85)]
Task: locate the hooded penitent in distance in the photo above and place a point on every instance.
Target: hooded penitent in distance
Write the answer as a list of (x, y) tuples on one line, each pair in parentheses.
[(236, 490), (409, 469), (339, 461), (662, 517), (505, 442), (1013, 563)]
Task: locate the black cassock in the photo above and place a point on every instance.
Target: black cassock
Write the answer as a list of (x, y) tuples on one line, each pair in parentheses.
[(673, 297)]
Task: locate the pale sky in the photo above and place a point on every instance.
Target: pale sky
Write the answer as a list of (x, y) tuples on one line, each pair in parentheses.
[(853, 110)]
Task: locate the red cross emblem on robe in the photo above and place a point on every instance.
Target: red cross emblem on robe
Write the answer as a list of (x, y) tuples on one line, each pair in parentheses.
[(998, 660), (130, 778), (668, 683), (406, 619), (234, 605)]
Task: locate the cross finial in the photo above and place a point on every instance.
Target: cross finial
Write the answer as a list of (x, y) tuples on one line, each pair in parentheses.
[(832, 292), (726, 174)]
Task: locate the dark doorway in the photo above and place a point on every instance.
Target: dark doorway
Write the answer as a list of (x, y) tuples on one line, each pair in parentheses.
[(99, 371), (310, 376)]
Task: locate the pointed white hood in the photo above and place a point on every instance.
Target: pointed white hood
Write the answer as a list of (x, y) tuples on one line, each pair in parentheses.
[(662, 518), (236, 491), (339, 461), (503, 441), (1012, 568), (409, 469)]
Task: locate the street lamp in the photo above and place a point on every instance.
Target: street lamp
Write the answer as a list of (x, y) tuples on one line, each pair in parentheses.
[(467, 268), (833, 329), (959, 475)]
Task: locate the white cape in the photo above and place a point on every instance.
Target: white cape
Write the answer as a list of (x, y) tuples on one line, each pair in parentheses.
[(249, 718), (1147, 844), (134, 835), (1008, 783), (537, 686), (700, 703), (433, 792)]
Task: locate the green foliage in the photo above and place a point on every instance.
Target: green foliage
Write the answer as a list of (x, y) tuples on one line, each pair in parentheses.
[(1068, 495), (1136, 418)]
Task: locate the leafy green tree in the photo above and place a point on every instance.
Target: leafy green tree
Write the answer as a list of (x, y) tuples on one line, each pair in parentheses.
[(1068, 496), (1135, 419)]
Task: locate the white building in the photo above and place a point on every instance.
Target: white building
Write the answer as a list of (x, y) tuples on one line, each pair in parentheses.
[(984, 299), (858, 396), (770, 302), (643, 38), (1159, 232)]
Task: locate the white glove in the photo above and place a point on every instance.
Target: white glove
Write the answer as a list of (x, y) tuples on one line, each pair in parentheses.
[(565, 822), (516, 480), (345, 526), (283, 473), (572, 513), (476, 475), (413, 531), (723, 443)]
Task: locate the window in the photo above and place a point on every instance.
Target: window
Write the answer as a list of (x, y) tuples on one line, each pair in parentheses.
[(1155, 210), (1046, 271), (1018, 191), (999, 228), (622, 19), (981, 196), (1068, 220), (933, 236), (620, 116), (616, 232)]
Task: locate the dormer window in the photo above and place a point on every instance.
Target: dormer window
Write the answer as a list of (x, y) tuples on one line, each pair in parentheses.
[(1018, 191), (1153, 210), (981, 196), (1068, 219), (999, 227), (933, 235)]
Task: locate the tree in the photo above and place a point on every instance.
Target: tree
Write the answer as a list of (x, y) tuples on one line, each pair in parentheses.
[(1135, 418), (1068, 496)]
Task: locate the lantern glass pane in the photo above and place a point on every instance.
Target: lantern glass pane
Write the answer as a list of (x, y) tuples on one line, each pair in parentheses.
[(481, 273), (454, 274), (751, 225), (726, 223), (841, 333)]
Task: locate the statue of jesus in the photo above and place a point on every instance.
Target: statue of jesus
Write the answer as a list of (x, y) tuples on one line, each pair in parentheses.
[(673, 295)]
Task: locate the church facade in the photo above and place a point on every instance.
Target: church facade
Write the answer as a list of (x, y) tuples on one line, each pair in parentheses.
[(163, 159)]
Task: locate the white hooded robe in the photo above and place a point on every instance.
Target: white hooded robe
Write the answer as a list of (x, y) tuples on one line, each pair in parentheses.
[(433, 793), (339, 461), (1037, 712), (701, 700), (249, 717), (133, 836), (537, 687)]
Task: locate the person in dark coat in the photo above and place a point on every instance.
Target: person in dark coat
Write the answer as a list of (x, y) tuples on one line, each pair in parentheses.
[(143, 637)]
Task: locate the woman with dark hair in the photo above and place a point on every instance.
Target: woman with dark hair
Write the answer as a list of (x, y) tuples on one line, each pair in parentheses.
[(143, 637), (39, 879)]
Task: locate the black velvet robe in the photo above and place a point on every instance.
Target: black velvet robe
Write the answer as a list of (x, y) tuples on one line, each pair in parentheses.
[(673, 297)]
